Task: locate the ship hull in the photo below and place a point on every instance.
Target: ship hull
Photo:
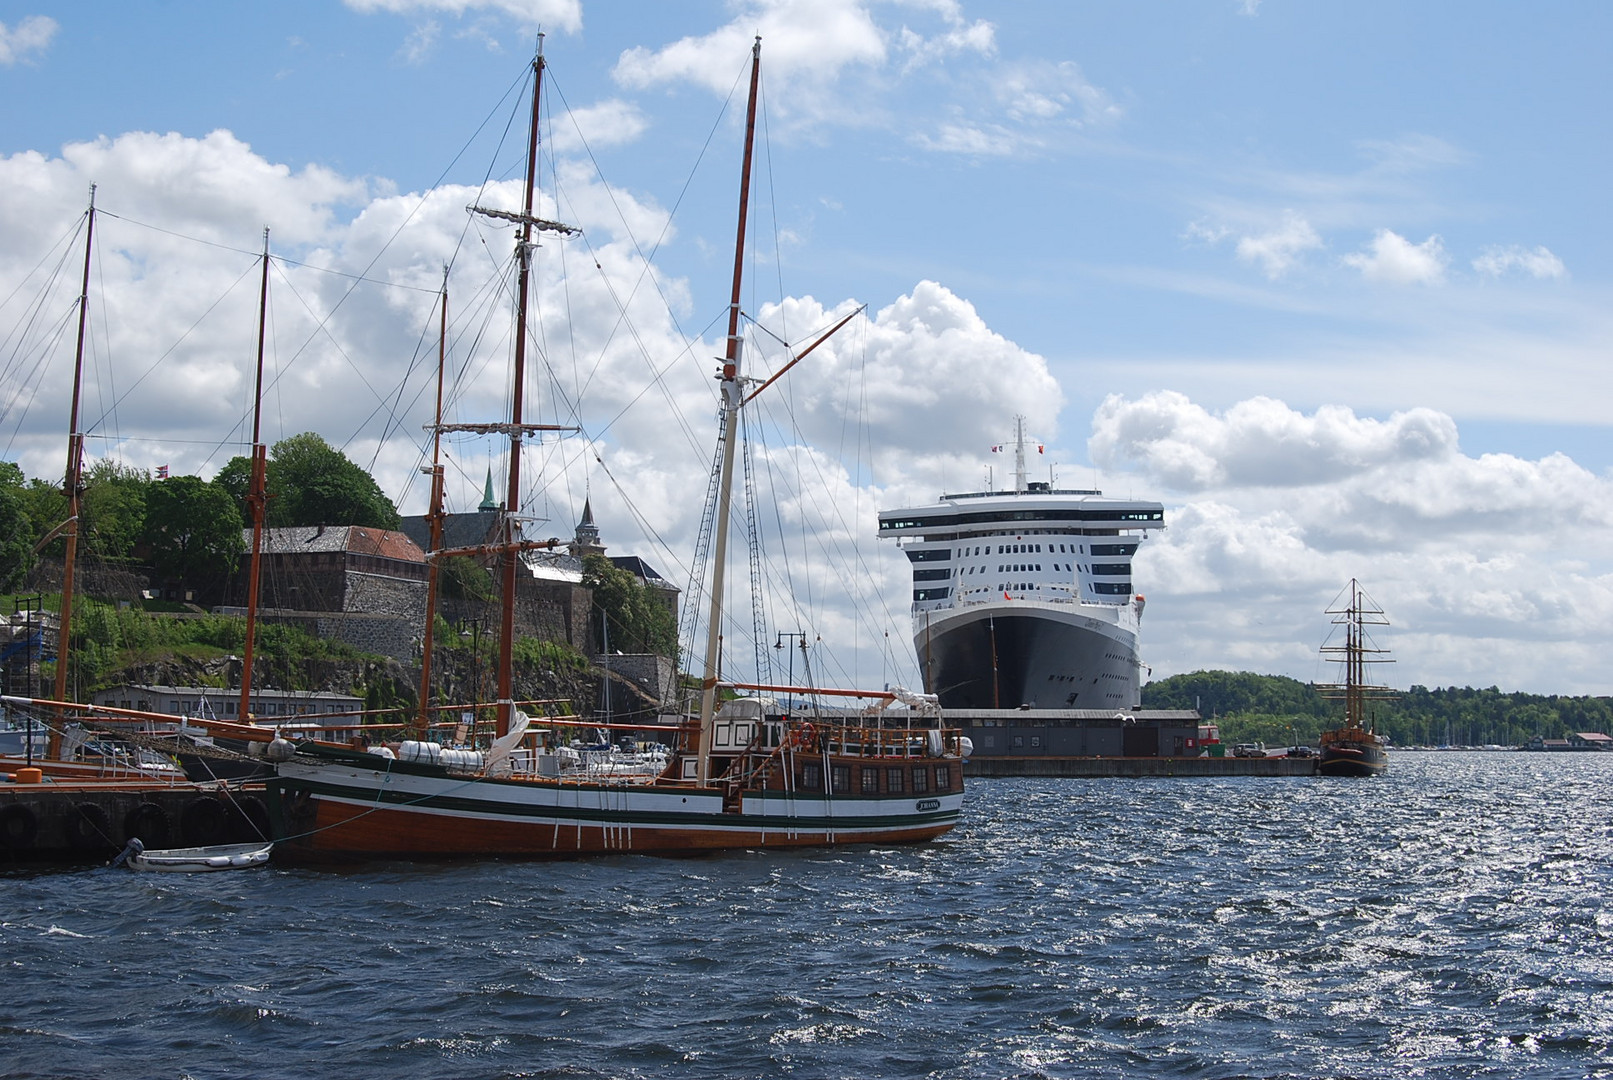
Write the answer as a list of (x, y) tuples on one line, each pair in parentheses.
[(1045, 656), (336, 808), (1353, 754)]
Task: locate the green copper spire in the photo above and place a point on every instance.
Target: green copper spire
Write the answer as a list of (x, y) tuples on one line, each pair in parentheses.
[(489, 502)]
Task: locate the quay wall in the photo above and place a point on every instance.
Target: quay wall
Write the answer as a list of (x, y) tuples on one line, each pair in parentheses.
[(91, 822)]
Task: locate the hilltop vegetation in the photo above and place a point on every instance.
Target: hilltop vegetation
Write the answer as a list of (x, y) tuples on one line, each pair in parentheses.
[(1279, 711), (182, 528)]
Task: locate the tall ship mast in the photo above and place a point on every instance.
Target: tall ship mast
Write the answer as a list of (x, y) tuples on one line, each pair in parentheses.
[(1355, 748), (1024, 597)]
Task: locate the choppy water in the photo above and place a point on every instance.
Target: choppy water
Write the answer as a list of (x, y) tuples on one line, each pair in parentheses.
[(1449, 919)]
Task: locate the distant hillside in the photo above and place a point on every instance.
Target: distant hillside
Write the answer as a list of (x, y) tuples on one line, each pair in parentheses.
[(1278, 710)]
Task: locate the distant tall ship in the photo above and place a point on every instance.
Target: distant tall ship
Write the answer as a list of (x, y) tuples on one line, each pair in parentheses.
[(1024, 597), (1355, 748)]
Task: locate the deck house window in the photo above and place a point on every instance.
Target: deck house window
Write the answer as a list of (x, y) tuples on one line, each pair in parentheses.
[(870, 780), (840, 776), (893, 780), (943, 778), (812, 777), (921, 779)]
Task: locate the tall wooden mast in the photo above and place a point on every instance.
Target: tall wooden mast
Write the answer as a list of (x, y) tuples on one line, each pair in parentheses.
[(73, 481), (732, 397), (434, 517), (257, 496), (510, 559)]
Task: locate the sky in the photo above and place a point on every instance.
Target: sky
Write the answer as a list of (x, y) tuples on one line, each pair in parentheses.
[(1328, 280)]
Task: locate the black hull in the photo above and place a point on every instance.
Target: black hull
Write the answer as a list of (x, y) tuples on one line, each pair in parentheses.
[(1352, 760), (1012, 656)]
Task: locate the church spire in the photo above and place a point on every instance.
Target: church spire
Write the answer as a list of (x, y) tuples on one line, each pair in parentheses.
[(489, 500), (587, 539)]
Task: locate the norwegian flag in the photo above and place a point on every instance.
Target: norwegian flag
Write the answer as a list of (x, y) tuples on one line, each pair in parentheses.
[(162, 472)]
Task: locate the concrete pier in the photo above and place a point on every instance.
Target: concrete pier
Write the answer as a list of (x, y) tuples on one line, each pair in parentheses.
[(91, 822)]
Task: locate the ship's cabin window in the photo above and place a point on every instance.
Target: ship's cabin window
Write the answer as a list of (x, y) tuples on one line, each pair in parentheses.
[(943, 778), (893, 780), (840, 778), (921, 779), (870, 780)]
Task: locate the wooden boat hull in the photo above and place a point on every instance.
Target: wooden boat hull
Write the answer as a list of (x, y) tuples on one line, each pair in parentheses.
[(340, 810)]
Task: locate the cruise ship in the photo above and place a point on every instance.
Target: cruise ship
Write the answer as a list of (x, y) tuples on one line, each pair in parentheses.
[(1023, 598)]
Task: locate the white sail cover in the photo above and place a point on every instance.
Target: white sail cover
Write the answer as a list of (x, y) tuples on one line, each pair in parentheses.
[(498, 755)]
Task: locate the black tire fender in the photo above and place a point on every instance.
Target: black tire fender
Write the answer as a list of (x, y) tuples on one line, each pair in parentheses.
[(89, 828), (150, 824), (19, 828), (204, 821)]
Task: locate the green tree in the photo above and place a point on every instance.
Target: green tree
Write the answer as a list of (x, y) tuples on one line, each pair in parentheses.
[(631, 615), (236, 477), (462, 578), (16, 530), (46, 508), (193, 528), (112, 510), (312, 483)]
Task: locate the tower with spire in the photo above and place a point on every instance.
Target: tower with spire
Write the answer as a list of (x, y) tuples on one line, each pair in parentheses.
[(586, 541)]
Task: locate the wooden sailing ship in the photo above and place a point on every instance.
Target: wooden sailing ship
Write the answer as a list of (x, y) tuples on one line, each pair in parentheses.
[(738, 776), (1355, 748)]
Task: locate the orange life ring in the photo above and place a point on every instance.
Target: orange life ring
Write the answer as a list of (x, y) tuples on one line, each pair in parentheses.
[(806, 736)]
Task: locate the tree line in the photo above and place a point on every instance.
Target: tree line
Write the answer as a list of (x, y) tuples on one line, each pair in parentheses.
[(1279, 711), (183, 528)]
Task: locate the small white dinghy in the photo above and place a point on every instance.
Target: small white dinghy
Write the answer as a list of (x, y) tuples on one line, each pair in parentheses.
[(191, 860)]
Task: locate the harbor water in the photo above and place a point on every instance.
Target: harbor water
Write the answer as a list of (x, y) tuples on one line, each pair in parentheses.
[(1448, 919)]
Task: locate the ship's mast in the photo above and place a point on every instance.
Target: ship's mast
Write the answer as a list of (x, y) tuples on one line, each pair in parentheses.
[(257, 496), (510, 553), (434, 518), (1358, 613), (72, 483), (732, 395)]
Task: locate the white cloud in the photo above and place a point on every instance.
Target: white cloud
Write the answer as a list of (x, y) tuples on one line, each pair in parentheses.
[(607, 123), (805, 47), (1539, 262), (958, 36), (1278, 249), (1278, 508), (1258, 442), (557, 14), (971, 140), (1250, 8), (1044, 91), (32, 34), (418, 45), (1398, 261)]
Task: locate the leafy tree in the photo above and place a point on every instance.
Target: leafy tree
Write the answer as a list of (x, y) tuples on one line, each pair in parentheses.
[(193, 528), (16, 532), (235, 478), (629, 614), (46, 507), (462, 578), (112, 510), (312, 483)]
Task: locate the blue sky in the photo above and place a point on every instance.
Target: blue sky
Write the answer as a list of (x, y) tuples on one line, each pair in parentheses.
[(1330, 280)]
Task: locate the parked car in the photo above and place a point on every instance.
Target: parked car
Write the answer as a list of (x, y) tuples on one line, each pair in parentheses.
[(1249, 749), (1301, 751)]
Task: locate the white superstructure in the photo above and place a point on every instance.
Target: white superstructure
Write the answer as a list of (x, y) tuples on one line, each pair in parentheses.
[(1024, 597)]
